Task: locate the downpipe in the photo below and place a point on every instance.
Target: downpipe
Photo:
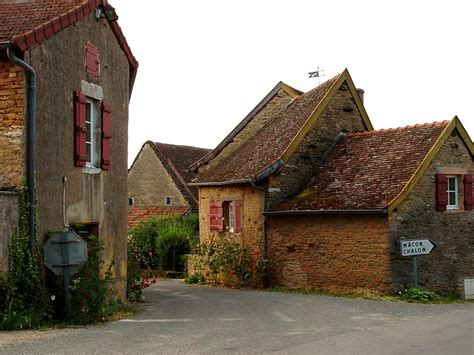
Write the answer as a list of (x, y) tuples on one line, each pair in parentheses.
[(30, 141)]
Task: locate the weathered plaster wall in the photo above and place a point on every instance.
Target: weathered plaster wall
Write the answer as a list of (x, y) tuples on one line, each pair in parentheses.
[(334, 253), (341, 114), (8, 224), (252, 219), (90, 198), (12, 110), (149, 182), (453, 231), (259, 120)]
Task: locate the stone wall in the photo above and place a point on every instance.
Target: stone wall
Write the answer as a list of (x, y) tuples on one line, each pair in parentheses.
[(12, 107), (341, 114), (8, 224), (149, 182), (452, 230), (251, 207), (334, 253)]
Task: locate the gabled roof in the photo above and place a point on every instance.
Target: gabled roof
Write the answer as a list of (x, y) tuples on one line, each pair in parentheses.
[(176, 159), (212, 154), (139, 214), (280, 137), (374, 169), (25, 24)]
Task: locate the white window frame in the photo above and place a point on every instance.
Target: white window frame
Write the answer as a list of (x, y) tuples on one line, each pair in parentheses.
[(166, 201), (231, 217), (93, 115), (452, 205)]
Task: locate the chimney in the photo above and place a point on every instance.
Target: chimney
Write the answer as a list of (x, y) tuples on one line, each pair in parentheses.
[(361, 94)]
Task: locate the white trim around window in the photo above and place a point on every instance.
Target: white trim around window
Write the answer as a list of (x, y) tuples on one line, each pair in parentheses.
[(452, 190)]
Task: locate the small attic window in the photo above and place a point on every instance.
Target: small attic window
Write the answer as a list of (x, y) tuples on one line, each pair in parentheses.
[(168, 200), (92, 60), (131, 200)]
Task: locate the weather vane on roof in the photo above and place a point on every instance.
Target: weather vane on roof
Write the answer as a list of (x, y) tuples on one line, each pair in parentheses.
[(318, 73)]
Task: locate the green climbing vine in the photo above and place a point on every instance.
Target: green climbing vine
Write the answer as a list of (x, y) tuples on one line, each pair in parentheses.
[(26, 293)]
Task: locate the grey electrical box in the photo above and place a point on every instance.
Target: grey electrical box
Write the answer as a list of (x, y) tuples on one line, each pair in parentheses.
[(65, 250)]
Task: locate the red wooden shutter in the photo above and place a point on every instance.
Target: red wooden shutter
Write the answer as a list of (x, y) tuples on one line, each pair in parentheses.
[(105, 161), (92, 60), (216, 224), (80, 129), (237, 216), (441, 194), (468, 192)]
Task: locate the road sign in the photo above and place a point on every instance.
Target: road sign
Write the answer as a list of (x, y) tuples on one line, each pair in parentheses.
[(65, 249), (416, 247)]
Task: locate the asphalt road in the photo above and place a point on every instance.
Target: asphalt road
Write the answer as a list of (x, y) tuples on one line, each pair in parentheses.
[(179, 318)]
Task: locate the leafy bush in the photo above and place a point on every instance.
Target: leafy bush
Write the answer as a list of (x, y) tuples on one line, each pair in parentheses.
[(225, 259), (195, 278), (26, 301), (92, 294), (418, 294), (158, 243)]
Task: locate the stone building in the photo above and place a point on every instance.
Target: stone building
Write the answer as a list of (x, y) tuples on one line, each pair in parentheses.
[(158, 181), (307, 181), (66, 77)]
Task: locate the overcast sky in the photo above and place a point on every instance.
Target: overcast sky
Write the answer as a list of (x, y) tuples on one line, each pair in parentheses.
[(204, 65)]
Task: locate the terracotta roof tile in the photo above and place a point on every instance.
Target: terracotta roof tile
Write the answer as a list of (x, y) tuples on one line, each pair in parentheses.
[(367, 169), (139, 214), (268, 144), (177, 159), (31, 22)]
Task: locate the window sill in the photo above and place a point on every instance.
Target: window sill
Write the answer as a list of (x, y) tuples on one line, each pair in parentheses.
[(454, 211), (91, 170)]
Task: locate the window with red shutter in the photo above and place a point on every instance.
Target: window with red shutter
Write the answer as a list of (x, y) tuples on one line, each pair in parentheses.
[(215, 216), (106, 135), (80, 129), (237, 216), (92, 60), (468, 192), (441, 194)]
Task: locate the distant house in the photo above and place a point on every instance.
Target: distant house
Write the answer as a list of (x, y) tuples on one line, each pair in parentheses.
[(73, 124), (307, 181), (158, 181)]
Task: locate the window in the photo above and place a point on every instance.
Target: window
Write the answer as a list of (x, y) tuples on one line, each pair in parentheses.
[(452, 192), (225, 216), (93, 133), (168, 200), (131, 201)]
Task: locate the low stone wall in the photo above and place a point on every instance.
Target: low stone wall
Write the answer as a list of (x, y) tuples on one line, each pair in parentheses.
[(334, 253), (8, 223)]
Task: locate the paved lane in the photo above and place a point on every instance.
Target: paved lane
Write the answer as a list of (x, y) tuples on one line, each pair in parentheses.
[(180, 318)]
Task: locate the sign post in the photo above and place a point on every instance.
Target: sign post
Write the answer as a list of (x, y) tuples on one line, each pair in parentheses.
[(414, 247), (65, 253)]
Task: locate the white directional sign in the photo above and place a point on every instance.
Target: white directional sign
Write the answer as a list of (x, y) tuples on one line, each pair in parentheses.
[(416, 247)]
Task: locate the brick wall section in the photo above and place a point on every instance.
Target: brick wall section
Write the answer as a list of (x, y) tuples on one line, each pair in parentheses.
[(149, 182), (340, 114), (259, 120), (12, 109), (334, 253), (252, 219), (453, 231), (8, 223)]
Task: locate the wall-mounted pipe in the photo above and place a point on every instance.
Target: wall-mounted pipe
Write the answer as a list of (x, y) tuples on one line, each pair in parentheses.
[(30, 140)]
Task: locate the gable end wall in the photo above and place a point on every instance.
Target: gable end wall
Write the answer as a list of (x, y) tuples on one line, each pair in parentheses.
[(299, 169), (453, 231)]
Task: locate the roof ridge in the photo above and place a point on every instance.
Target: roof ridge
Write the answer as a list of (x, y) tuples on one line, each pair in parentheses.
[(180, 145), (417, 125)]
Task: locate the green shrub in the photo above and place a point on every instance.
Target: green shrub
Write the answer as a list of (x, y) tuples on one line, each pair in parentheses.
[(229, 261), (195, 278), (160, 243), (418, 294), (26, 289), (15, 318), (134, 284)]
